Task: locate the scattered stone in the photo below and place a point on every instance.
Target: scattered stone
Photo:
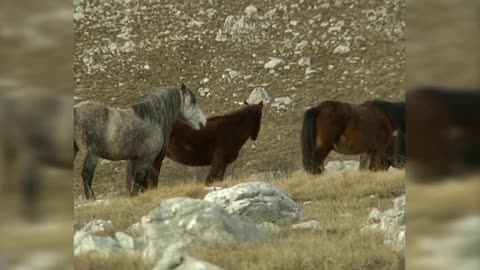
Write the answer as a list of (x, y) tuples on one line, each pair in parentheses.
[(258, 94), (258, 201), (192, 223), (274, 63), (251, 11), (172, 259), (204, 92), (309, 71), (391, 223), (307, 225), (342, 165), (305, 61), (300, 46), (342, 49)]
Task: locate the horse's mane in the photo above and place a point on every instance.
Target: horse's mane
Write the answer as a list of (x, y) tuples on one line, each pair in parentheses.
[(162, 104), (395, 112), (462, 103)]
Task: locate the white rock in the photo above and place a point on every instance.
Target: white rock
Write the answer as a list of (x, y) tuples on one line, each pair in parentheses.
[(258, 201), (191, 224), (135, 228), (274, 63), (390, 223), (125, 241), (305, 61), (251, 11), (204, 92), (204, 81), (300, 46), (233, 74), (309, 71), (307, 225), (282, 100), (78, 16), (258, 94), (458, 249), (85, 243), (98, 226), (175, 260), (341, 165), (342, 49)]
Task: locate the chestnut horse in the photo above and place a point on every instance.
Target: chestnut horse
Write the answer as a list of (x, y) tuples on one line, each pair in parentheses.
[(444, 138), (350, 129), (217, 145), (394, 156)]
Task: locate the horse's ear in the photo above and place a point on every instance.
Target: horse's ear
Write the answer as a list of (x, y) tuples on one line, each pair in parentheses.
[(182, 86), (245, 102), (260, 104)]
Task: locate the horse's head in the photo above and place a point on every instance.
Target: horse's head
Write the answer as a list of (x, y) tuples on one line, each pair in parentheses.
[(191, 113), (256, 110)]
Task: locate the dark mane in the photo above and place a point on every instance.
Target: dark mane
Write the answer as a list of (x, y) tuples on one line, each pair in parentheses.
[(244, 113), (395, 112), (462, 103)]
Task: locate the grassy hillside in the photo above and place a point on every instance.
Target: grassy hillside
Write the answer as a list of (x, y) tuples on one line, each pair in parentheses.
[(123, 50)]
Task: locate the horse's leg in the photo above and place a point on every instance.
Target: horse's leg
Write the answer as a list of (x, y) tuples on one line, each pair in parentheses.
[(217, 171), (129, 175), (31, 190), (154, 170), (363, 162), (88, 170), (140, 182), (322, 153)]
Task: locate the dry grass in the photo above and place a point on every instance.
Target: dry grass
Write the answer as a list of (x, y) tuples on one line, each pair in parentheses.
[(431, 209), (340, 201)]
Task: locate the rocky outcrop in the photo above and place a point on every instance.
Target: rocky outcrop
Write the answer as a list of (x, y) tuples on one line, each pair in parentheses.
[(258, 201), (191, 224), (390, 223)]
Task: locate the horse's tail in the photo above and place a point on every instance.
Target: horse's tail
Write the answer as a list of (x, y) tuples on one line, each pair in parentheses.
[(309, 134)]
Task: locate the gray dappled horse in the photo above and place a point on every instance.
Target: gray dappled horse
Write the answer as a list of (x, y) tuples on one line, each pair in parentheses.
[(137, 134), (36, 133)]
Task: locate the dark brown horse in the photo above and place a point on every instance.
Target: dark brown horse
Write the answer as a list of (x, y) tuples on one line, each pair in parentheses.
[(217, 145), (394, 156), (350, 129), (444, 138)]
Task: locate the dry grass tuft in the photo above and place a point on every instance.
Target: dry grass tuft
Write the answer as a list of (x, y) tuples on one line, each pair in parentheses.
[(340, 201)]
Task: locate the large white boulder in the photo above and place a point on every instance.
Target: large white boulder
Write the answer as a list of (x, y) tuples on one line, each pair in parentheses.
[(258, 201), (191, 224)]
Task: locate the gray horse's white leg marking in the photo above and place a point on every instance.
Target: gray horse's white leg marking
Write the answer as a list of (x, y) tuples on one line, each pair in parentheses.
[(89, 165)]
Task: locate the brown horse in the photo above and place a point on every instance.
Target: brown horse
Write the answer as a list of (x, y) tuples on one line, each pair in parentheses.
[(217, 145), (394, 156), (350, 129), (444, 138)]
